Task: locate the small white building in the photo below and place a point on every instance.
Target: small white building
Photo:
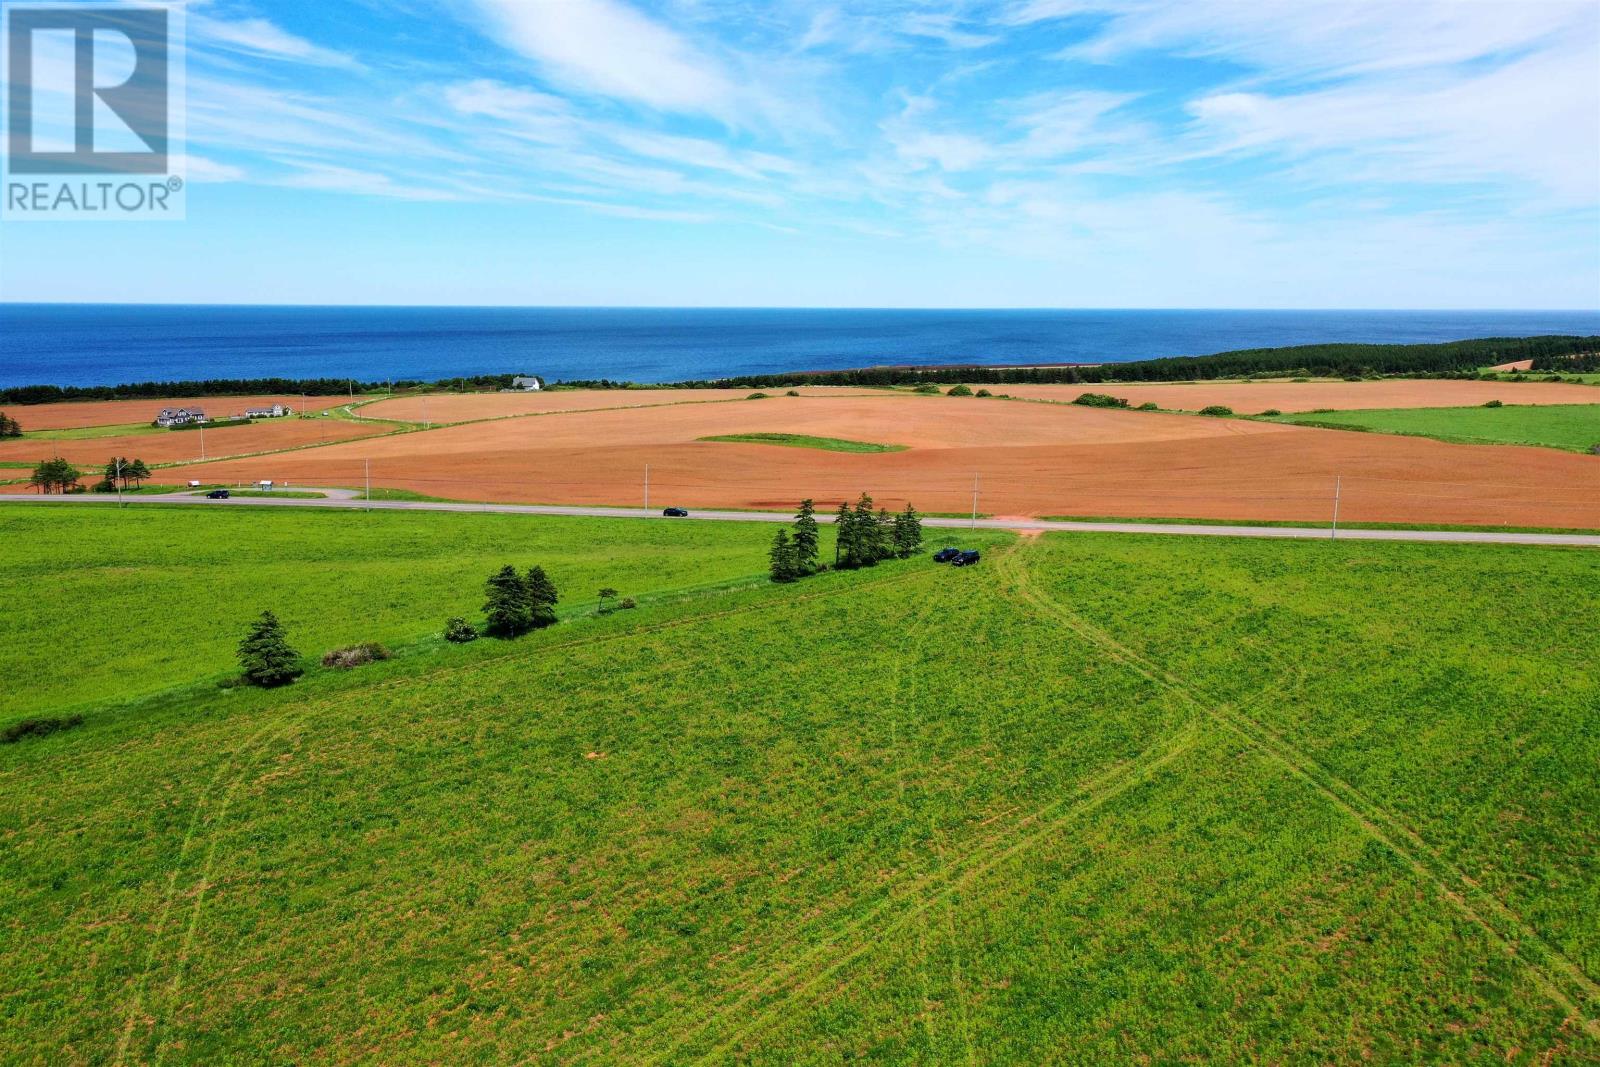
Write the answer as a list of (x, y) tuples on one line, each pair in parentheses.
[(526, 384), (276, 411), (170, 417)]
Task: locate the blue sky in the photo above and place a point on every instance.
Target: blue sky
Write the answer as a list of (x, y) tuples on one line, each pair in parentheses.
[(1042, 153)]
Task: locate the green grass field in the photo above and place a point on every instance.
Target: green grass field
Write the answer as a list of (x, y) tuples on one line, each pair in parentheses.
[(1100, 799), (800, 440), (1574, 427)]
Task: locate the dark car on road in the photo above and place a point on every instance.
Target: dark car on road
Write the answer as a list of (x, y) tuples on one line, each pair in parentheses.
[(946, 555), (676, 513), (218, 494), (966, 559)]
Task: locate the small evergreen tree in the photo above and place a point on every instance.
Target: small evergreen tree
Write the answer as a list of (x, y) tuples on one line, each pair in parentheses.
[(844, 537), (55, 475), (508, 612), (542, 598), (907, 532), (265, 655), (785, 566), (138, 472), (866, 536), (806, 538)]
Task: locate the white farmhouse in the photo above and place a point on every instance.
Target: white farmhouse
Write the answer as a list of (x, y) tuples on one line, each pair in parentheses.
[(528, 384)]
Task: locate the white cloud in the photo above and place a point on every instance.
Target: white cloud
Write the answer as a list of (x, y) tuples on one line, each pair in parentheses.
[(258, 37), (606, 47)]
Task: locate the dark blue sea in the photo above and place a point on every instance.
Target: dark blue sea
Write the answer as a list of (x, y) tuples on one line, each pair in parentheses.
[(110, 344)]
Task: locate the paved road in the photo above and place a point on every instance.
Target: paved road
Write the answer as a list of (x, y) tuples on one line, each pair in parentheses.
[(345, 498)]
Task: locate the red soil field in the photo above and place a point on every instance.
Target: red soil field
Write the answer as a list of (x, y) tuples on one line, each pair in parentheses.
[(75, 414), (1252, 398), (1031, 460), (462, 407), (172, 446)]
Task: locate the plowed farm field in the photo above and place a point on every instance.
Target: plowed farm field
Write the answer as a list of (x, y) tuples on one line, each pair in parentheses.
[(1252, 398), (77, 414), (177, 446), (466, 407), (1026, 460)]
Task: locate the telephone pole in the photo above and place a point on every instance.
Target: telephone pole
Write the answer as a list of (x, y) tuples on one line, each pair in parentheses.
[(202, 440), (1338, 485), (369, 484), (975, 501), (119, 483), (647, 487)]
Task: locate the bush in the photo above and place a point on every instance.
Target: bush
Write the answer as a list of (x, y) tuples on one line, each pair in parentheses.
[(1271, 413), (959, 390), (1494, 404), (38, 728), (928, 389), (1216, 411), (1149, 405), (984, 392), (459, 630), (792, 392), (1100, 400), (628, 603), (757, 396), (345, 658)]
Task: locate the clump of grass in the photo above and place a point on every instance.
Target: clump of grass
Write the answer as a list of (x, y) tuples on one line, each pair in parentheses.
[(1494, 404), (40, 727), (344, 659), (800, 440)]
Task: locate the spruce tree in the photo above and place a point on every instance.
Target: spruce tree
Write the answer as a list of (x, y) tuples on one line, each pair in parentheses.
[(508, 611), (542, 598), (844, 537), (138, 472), (265, 655), (785, 567), (907, 532), (866, 536), (806, 538)]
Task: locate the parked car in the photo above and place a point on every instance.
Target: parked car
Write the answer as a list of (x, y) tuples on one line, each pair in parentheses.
[(676, 513), (218, 494), (945, 555), (966, 559)]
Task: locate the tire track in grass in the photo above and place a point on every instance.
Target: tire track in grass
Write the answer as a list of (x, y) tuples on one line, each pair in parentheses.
[(1557, 976), (233, 772), (922, 892)]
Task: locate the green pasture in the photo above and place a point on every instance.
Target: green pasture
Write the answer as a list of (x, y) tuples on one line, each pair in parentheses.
[(1573, 427), (800, 440)]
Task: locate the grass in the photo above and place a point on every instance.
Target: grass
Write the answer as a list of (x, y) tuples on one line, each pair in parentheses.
[(800, 440), (283, 494), (93, 433), (1573, 427), (155, 597), (1296, 525), (911, 814)]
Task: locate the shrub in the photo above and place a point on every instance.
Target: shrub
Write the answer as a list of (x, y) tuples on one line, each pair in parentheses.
[(1100, 400), (757, 396), (792, 392), (1149, 405), (1352, 377), (628, 603), (1300, 381), (38, 727), (265, 656), (1216, 411), (959, 390), (984, 392), (459, 630), (928, 389), (1271, 413), (1494, 404), (345, 658)]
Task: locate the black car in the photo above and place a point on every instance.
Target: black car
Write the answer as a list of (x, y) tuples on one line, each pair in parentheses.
[(945, 555), (218, 494), (965, 559), (676, 513)]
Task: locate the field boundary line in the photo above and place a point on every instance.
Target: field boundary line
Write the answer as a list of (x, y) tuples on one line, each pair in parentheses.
[(1378, 822)]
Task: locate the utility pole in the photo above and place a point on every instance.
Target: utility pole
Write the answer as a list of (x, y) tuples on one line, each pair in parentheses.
[(369, 484), (647, 487), (1338, 485), (119, 483), (202, 440), (424, 413), (975, 501)]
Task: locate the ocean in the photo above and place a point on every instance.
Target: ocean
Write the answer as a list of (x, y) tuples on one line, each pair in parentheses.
[(65, 344)]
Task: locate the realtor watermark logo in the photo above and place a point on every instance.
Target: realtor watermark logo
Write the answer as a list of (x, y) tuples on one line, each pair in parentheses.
[(93, 112)]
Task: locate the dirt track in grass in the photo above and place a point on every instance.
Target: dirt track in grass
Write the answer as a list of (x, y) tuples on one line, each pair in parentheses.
[(1029, 459)]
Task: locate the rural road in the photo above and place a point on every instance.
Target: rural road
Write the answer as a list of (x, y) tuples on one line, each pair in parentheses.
[(347, 499)]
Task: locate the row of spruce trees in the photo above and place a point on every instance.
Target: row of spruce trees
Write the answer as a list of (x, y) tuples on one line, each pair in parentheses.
[(865, 538), (127, 471)]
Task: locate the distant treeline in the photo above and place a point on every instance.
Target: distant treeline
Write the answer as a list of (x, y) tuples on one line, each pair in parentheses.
[(46, 394), (1552, 353), (1312, 361)]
